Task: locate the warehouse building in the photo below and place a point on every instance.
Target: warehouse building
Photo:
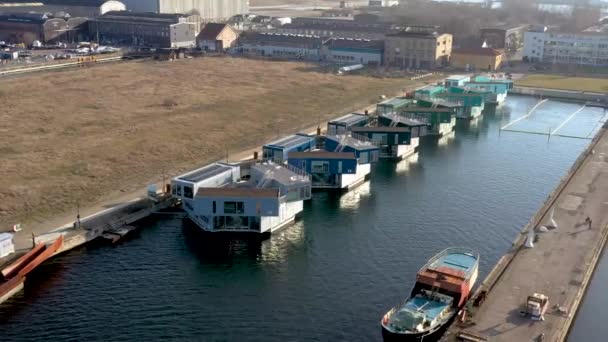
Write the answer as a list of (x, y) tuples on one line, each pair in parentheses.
[(26, 28), (208, 10), (75, 8), (286, 46), (353, 51), (144, 29)]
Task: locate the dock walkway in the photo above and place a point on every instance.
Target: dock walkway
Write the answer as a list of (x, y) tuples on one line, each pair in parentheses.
[(559, 265)]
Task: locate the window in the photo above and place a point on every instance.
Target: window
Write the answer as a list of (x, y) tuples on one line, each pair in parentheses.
[(319, 166), (214, 207), (188, 192), (179, 190), (234, 208)]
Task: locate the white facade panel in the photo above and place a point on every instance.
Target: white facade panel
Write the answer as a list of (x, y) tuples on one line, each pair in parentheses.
[(351, 180), (6, 244)]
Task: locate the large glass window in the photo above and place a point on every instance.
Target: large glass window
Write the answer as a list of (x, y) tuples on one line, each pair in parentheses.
[(188, 192), (319, 166), (234, 207)]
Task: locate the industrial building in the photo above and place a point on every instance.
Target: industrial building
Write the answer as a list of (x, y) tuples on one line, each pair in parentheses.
[(217, 37), (477, 58), (285, 46), (508, 38), (584, 48), (29, 27), (80, 8), (145, 29), (337, 28), (420, 47), (208, 10), (353, 51)]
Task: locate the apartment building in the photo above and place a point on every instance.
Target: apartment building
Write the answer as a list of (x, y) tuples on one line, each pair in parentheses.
[(420, 47), (584, 48)]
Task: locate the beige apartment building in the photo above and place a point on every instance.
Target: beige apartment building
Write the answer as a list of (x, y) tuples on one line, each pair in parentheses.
[(418, 47)]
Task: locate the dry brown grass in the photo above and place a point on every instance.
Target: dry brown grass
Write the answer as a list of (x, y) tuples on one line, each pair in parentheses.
[(83, 133)]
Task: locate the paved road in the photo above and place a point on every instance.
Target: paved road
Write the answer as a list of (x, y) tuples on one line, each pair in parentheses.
[(560, 263)]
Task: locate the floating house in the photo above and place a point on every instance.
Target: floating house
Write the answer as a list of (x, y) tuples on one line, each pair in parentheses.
[(417, 124), (428, 92), (392, 106), (222, 202), (457, 80), (497, 87), (331, 170), (473, 101), (441, 120), (342, 125), (278, 150), (394, 142), (344, 164)]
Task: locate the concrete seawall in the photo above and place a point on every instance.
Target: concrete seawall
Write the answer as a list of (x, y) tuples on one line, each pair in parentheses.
[(560, 265), (561, 94)]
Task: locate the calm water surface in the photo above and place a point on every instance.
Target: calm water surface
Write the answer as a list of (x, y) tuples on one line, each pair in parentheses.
[(332, 275)]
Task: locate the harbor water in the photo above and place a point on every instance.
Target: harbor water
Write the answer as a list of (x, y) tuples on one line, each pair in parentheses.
[(332, 275)]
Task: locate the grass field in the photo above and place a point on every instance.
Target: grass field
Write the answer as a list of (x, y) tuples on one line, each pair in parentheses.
[(78, 135), (598, 85)]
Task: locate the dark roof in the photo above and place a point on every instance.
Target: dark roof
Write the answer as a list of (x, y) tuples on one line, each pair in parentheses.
[(425, 110), (37, 18), (417, 32), (238, 192), (84, 3), (341, 43), (281, 39), (141, 16), (479, 51), (322, 155), (380, 129), (211, 31)]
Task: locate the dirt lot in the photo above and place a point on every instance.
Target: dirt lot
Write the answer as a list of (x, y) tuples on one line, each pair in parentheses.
[(599, 85), (82, 134)]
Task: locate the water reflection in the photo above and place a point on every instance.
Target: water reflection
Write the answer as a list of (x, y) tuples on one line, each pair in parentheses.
[(351, 199), (404, 166)]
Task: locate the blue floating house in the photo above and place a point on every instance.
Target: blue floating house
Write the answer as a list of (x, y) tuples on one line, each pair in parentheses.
[(217, 199), (278, 150), (342, 125), (394, 142), (330, 170)]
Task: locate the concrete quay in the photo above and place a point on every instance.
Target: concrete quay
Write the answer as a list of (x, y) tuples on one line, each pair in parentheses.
[(560, 264)]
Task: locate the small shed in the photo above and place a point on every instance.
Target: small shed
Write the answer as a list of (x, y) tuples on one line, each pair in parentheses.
[(6, 244)]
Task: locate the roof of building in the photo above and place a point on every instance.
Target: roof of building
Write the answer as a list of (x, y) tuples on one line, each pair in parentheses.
[(278, 39), (426, 110), (142, 16), (396, 101), (408, 121), (322, 155), (352, 142), (243, 192), (478, 51), (350, 119), (211, 31), (282, 174), (381, 129), (417, 32), (205, 172), (458, 77), (33, 18), (83, 3), (351, 43), (290, 141)]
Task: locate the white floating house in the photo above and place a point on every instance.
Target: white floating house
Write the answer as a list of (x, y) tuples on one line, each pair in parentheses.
[(394, 142), (278, 150), (266, 202), (342, 125)]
